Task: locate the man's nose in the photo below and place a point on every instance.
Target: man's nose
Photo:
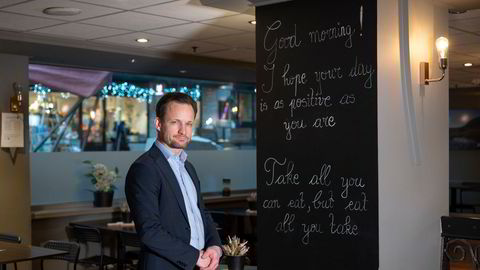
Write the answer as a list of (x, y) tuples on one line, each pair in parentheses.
[(181, 130)]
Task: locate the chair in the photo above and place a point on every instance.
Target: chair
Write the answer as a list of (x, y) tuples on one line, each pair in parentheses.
[(129, 239), (73, 250), (85, 235), (457, 245), (10, 238)]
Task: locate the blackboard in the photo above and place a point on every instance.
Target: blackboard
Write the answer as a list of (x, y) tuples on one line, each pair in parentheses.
[(317, 160)]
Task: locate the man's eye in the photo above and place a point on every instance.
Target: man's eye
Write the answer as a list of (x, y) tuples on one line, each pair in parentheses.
[(189, 124)]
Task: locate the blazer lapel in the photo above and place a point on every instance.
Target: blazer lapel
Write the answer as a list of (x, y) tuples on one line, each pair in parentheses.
[(170, 177)]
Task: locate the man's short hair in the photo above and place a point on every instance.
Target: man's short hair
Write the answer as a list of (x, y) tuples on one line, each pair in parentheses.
[(174, 97)]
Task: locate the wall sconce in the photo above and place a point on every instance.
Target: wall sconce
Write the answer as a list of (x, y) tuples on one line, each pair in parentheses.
[(442, 48)]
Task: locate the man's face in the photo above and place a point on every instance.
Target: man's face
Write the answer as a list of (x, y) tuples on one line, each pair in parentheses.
[(175, 130)]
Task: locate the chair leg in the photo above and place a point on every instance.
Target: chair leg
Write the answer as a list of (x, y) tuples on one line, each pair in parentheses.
[(15, 266)]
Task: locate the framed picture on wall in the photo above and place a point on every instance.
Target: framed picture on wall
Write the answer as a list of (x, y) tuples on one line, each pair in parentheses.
[(464, 129)]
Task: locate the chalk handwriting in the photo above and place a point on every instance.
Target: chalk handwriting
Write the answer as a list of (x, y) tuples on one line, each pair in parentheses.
[(310, 228), (286, 225), (320, 203), (342, 229), (288, 178), (348, 182), (362, 70), (332, 33)]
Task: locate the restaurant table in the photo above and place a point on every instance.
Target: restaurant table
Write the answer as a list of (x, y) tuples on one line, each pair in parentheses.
[(12, 253)]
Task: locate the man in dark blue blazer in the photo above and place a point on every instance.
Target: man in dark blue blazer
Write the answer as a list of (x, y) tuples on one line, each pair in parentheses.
[(163, 192)]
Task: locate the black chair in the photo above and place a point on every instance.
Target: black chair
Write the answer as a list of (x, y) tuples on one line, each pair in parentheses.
[(10, 238), (128, 257), (73, 250), (457, 245), (85, 235)]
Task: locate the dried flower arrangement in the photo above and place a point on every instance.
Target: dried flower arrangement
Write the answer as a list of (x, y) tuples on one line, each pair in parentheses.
[(235, 247)]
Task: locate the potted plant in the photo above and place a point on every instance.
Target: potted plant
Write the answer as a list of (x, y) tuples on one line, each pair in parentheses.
[(102, 178), (235, 251)]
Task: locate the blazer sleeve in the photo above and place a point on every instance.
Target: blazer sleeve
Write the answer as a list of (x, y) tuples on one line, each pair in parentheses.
[(142, 189)]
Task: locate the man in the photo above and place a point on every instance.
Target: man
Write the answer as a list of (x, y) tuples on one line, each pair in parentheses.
[(163, 192)]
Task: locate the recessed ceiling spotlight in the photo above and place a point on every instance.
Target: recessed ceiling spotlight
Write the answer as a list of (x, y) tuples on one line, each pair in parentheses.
[(253, 22), (468, 64), (183, 71), (132, 60), (62, 11), (141, 40)]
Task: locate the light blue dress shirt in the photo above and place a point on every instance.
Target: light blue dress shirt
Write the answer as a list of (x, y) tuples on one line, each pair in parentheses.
[(189, 192)]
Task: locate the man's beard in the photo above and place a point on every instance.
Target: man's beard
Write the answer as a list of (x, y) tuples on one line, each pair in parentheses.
[(174, 144)]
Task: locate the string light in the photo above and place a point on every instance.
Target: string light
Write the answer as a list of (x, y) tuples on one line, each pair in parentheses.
[(128, 90)]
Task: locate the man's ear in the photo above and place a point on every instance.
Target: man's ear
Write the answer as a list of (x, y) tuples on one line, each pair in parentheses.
[(158, 124)]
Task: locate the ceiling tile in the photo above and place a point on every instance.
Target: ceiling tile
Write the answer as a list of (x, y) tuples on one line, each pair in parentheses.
[(124, 4), (4, 3), (245, 55), (246, 40), (80, 31), (194, 31), (467, 15), (471, 25), (240, 22), (36, 7), (17, 22), (191, 10), (134, 21), (466, 49), (187, 47), (463, 39), (129, 39)]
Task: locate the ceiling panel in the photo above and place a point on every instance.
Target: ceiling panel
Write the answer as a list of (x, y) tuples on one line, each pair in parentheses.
[(124, 4), (471, 25), (188, 47), (463, 39), (35, 8), (134, 21), (240, 22), (246, 55), (15, 22), (195, 31), (187, 10), (4, 3), (129, 39), (246, 40), (80, 31)]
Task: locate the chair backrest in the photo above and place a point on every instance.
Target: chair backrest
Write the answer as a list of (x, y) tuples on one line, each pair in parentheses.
[(85, 234), (5, 237), (129, 239), (73, 250), (460, 228)]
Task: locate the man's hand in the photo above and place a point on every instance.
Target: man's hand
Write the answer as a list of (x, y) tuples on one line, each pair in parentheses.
[(203, 261), (212, 253)]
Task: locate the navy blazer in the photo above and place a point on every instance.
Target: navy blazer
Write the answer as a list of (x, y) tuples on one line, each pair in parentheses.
[(158, 209)]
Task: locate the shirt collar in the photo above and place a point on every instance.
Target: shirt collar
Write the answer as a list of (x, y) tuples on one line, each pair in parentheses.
[(169, 154)]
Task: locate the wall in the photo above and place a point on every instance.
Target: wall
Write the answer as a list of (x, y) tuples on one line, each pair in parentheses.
[(65, 180), (412, 198), (14, 176)]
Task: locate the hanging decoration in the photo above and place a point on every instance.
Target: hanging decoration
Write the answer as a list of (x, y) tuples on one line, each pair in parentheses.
[(193, 92), (128, 90)]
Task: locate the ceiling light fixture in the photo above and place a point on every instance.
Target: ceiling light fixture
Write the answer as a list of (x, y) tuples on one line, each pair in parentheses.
[(468, 64), (183, 71), (252, 22), (141, 40), (62, 11)]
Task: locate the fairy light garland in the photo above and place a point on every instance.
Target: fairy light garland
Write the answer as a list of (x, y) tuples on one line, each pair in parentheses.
[(193, 92)]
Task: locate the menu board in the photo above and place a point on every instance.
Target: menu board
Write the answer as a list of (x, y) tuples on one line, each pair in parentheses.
[(317, 158)]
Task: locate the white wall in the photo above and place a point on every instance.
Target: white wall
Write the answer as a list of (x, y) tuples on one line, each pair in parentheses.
[(60, 177), (412, 198)]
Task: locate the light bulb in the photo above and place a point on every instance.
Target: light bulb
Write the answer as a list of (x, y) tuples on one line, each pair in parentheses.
[(442, 47)]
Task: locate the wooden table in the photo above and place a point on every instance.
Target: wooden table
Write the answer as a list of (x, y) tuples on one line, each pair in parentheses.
[(11, 253)]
